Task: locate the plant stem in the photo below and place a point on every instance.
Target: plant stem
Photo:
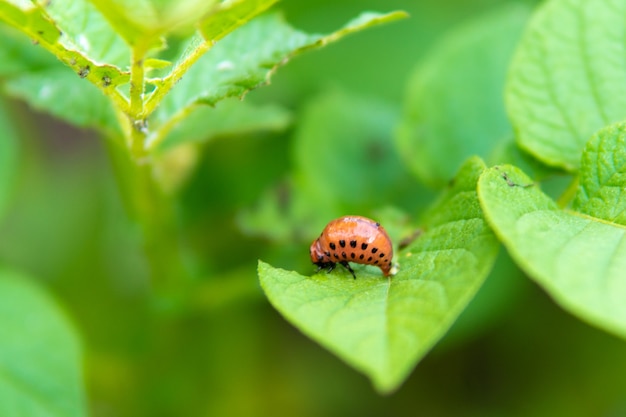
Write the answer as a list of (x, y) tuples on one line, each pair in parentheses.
[(154, 212), (569, 193), (194, 51)]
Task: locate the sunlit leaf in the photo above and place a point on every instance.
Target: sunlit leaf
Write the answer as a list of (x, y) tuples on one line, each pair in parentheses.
[(578, 259), (74, 49), (381, 326), (84, 29), (248, 57), (602, 191), (567, 79), (230, 15)]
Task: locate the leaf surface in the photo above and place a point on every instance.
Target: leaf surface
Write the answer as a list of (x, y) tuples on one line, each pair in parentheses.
[(59, 91), (40, 356), (568, 78), (602, 190), (578, 259), (382, 326), (246, 59)]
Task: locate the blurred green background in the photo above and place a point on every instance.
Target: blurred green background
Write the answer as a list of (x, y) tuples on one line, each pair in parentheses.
[(225, 351)]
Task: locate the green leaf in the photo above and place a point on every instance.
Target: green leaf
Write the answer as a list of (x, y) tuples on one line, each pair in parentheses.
[(18, 54), (577, 259), (455, 107), (72, 49), (30, 19), (8, 157), (383, 327), (147, 20), (58, 91), (567, 79), (603, 176), (85, 30), (40, 356), (230, 117), (231, 15), (247, 58)]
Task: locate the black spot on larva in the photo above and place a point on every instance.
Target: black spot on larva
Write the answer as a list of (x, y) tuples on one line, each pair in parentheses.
[(343, 254), (332, 246), (376, 263), (320, 257), (327, 253), (369, 259), (382, 255), (353, 243), (377, 224), (342, 243), (361, 257), (352, 255), (363, 246), (335, 255), (374, 250)]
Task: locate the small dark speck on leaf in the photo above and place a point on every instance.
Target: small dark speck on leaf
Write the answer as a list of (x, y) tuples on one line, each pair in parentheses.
[(84, 72)]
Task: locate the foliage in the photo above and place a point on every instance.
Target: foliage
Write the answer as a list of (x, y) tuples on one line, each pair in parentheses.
[(507, 132)]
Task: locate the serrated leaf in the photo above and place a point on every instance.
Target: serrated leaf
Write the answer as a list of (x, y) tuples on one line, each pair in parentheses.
[(230, 117), (230, 15), (380, 326), (37, 24), (85, 30), (30, 19), (454, 106), (59, 92), (567, 79), (579, 260), (602, 187), (246, 59), (8, 157), (40, 356)]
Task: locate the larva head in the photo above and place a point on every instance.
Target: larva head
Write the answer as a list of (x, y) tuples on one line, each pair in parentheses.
[(318, 257)]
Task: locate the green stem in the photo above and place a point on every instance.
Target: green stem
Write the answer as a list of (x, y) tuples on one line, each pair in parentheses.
[(154, 212), (163, 86), (138, 129), (569, 193)]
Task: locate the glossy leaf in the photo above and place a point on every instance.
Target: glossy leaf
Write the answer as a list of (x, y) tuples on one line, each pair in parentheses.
[(578, 259), (384, 326), (454, 106), (567, 79), (40, 355), (84, 29), (72, 49)]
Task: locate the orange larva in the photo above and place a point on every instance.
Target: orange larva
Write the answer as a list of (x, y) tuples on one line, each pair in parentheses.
[(353, 239)]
